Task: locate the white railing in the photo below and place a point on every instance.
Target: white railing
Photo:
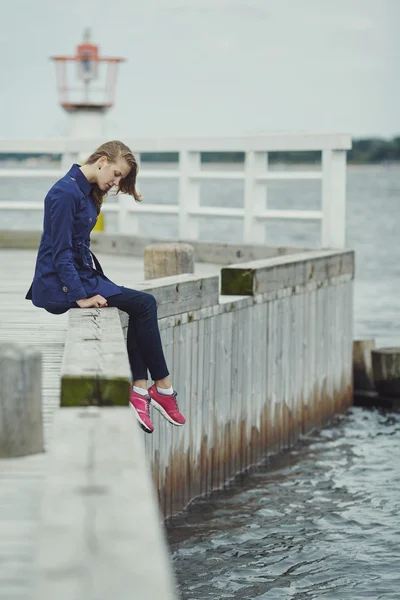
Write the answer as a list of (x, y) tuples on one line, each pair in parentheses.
[(190, 172)]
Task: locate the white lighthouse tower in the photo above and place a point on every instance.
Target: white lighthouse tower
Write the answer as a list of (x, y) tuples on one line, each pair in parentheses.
[(86, 86)]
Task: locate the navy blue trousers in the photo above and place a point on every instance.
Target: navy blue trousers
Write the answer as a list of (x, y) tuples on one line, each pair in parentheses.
[(143, 340)]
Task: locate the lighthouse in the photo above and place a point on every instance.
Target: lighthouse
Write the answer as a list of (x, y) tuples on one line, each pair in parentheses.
[(86, 84)]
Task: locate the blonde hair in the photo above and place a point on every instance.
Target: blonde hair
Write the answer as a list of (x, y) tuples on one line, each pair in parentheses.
[(113, 151)]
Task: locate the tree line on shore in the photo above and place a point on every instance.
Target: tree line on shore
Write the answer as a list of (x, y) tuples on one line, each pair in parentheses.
[(363, 151)]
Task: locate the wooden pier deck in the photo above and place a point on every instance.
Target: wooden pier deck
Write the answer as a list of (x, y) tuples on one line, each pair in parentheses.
[(21, 479)]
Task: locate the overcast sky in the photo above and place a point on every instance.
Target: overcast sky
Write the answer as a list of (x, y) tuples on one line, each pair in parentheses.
[(210, 67)]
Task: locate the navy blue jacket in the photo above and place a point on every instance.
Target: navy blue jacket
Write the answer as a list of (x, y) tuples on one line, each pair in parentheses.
[(64, 269)]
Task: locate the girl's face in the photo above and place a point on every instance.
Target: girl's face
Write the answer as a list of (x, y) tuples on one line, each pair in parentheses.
[(110, 174)]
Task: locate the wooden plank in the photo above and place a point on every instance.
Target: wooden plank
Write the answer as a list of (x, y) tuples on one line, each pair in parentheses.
[(285, 369), (234, 409), (221, 412), (247, 384), (274, 274), (21, 478), (99, 511), (194, 415), (165, 428), (175, 434), (202, 400), (184, 404), (264, 384), (238, 392), (213, 253), (257, 370), (209, 400), (20, 239), (95, 368), (226, 378), (182, 293), (223, 396)]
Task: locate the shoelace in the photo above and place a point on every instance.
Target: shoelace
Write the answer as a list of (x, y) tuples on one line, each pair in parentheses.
[(174, 394)]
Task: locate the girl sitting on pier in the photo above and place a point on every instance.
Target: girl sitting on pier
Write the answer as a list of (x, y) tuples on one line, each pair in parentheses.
[(65, 276)]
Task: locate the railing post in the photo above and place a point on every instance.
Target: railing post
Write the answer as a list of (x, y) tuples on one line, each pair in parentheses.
[(255, 197), (189, 194), (68, 159), (128, 218), (333, 198), (128, 222)]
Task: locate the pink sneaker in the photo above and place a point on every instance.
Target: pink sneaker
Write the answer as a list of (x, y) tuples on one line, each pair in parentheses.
[(167, 406), (141, 406)]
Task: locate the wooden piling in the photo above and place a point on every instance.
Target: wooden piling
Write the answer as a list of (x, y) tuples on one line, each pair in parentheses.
[(164, 260), (21, 426), (386, 371), (363, 378)]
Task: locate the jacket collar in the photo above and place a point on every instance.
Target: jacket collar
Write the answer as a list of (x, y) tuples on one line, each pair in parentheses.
[(76, 174)]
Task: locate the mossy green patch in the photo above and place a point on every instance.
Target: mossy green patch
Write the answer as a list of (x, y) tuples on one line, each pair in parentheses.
[(94, 391), (237, 282)]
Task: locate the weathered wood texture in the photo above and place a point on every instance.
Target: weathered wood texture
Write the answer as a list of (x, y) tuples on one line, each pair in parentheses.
[(386, 371), (21, 478), (95, 368), (164, 260), (253, 373), (21, 424), (20, 239), (363, 378), (100, 536), (205, 252), (182, 293), (134, 246), (275, 274), (291, 347)]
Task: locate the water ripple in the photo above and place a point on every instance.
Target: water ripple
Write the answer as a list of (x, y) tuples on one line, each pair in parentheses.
[(319, 522)]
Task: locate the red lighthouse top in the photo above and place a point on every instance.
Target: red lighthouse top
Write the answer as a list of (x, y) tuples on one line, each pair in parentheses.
[(76, 74)]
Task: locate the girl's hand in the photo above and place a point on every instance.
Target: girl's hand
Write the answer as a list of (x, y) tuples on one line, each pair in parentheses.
[(94, 302)]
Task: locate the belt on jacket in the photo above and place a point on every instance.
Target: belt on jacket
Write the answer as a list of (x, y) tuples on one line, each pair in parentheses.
[(78, 250), (96, 262)]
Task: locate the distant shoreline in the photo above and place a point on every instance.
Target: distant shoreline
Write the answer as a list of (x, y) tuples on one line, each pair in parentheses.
[(368, 151)]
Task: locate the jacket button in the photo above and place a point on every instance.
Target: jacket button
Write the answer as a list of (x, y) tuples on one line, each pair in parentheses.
[(65, 289), (90, 220)]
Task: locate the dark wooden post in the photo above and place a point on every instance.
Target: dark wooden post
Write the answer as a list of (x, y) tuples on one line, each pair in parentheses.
[(386, 370), (362, 365)]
